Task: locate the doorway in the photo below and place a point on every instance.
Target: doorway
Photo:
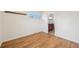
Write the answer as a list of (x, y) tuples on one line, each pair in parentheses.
[(51, 28)]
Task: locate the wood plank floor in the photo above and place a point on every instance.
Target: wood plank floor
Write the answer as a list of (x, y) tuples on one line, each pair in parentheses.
[(39, 40)]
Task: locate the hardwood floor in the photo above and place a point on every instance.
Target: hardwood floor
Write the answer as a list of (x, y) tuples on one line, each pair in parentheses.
[(39, 40)]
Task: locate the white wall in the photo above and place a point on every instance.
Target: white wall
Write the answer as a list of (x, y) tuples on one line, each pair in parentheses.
[(67, 25), (50, 21), (44, 24), (19, 25), (0, 25)]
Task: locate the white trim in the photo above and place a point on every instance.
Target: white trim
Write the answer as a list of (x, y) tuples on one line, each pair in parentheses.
[(15, 38), (67, 38)]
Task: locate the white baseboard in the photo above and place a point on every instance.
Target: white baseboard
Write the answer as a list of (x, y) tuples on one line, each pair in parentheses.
[(11, 39), (67, 38), (15, 38)]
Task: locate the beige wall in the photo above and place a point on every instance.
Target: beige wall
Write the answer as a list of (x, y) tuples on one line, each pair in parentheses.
[(19, 25), (14, 26), (0, 25)]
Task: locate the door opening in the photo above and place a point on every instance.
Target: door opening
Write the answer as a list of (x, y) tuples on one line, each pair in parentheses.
[(51, 28)]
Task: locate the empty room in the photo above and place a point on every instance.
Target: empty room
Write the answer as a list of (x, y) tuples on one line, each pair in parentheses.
[(39, 29)]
